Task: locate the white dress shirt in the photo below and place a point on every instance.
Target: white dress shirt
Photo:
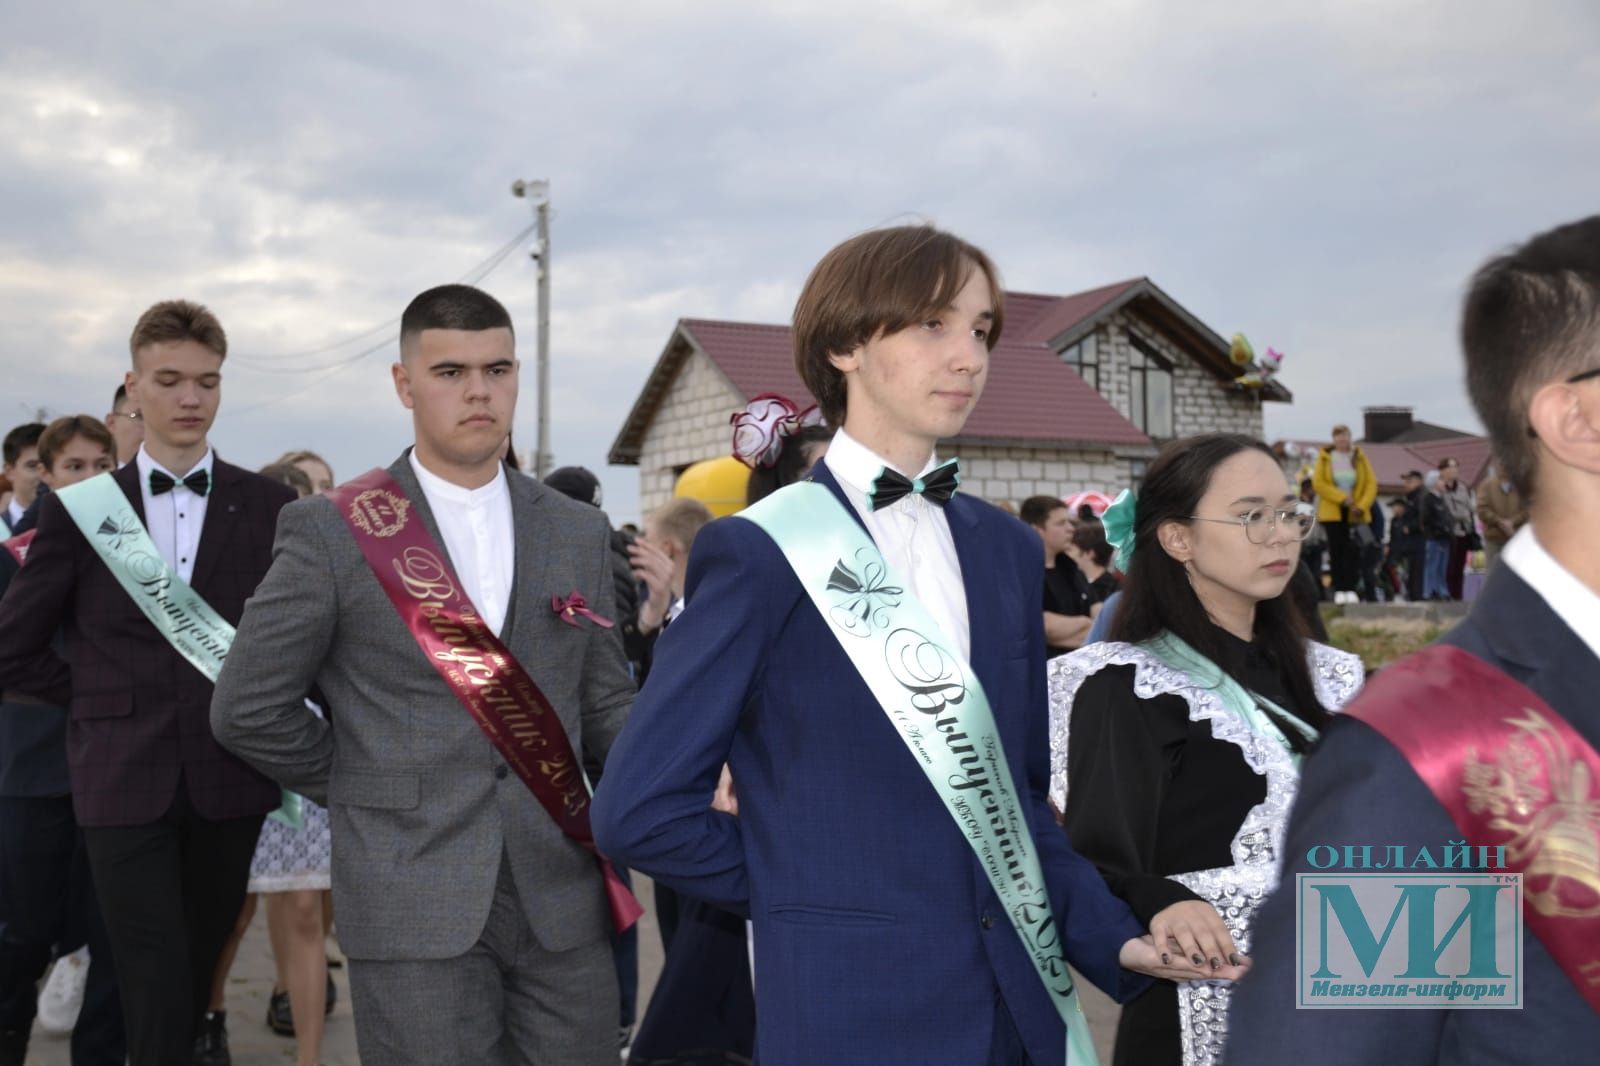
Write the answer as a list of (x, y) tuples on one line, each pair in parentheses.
[(14, 513), (175, 518), (913, 535), (476, 526), (1576, 603)]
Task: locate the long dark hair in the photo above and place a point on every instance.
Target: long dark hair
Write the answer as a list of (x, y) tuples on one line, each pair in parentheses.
[(1157, 595), (791, 465)]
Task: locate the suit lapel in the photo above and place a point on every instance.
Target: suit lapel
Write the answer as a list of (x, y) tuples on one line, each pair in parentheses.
[(978, 579), (406, 478), (127, 479), (823, 476), (1540, 649), (224, 507), (529, 561)]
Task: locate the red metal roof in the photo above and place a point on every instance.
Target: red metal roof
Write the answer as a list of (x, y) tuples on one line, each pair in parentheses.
[(1390, 460), (1030, 395), (1067, 311)]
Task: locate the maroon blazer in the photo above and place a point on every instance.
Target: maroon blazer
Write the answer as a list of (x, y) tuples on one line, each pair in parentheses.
[(138, 716)]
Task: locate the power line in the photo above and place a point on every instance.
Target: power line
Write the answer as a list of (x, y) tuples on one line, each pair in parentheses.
[(271, 364)]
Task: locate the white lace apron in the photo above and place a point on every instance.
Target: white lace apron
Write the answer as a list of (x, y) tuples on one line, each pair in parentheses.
[(1235, 891)]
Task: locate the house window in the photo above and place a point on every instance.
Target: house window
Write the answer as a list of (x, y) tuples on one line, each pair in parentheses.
[(1084, 357), (1149, 389)]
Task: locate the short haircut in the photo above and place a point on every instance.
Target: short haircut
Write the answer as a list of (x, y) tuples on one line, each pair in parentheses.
[(1091, 537), (178, 320), (1340, 428), (63, 431), (119, 398), (1531, 318), (21, 439), (289, 474), (1446, 461), (878, 283), (680, 520), (1413, 473), (1036, 510), (452, 307)]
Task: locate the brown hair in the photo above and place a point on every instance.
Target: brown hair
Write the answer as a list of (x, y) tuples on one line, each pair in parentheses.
[(874, 284), (63, 431), (289, 474), (1091, 537), (1532, 318), (1036, 510), (1340, 428), (680, 520), (178, 320)]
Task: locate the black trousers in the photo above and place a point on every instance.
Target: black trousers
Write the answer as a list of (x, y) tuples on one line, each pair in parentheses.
[(1342, 556), (170, 892), (47, 908)]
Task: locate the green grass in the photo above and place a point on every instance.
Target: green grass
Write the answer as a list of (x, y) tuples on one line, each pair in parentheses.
[(1381, 641)]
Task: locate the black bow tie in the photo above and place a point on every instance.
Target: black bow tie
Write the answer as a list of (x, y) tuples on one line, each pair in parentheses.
[(198, 483), (938, 485)]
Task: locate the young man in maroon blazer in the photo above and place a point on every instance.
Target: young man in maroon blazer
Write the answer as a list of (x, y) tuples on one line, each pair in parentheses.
[(170, 819)]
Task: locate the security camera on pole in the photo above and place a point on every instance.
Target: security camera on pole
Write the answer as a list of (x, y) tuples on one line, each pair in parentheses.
[(539, 192)]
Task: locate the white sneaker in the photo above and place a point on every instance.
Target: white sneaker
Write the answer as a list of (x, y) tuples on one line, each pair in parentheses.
[(62, 997)]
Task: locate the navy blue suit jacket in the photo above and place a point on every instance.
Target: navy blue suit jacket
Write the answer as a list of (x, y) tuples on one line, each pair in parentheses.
[(1358, 789), (877, 936)]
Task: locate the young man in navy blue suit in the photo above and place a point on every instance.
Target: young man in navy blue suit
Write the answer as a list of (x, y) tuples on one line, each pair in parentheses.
[(878, 936), (1531, 334)]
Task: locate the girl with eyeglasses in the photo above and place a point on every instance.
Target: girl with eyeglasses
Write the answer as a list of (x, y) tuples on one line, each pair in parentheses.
[(1187, 728)]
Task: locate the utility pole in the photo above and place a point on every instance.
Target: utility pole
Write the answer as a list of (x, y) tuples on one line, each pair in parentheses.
[(539, 192)]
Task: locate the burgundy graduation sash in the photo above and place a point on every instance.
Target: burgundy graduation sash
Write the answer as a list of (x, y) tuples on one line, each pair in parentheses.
[(18, 546), (1513, 774), (495, 689)]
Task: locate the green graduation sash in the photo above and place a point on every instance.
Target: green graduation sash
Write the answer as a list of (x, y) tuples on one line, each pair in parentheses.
[(936, 703), (193, 628)]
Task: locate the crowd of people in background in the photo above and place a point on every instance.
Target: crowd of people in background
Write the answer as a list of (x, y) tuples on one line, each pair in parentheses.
[(1158, 666)]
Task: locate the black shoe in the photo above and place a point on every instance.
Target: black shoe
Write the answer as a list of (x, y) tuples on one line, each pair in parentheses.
[(279, 1018), (211, 1046), (13, 1047), (330, 1000)]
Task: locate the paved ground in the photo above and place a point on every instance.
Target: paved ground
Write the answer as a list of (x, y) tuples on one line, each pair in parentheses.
[(254, 1044)]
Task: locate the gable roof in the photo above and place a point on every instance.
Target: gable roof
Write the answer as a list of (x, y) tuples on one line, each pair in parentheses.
[(1031, 398)]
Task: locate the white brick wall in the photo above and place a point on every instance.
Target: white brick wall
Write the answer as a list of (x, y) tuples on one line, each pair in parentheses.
[(1011, 475), (1200, 403), (690, 425)]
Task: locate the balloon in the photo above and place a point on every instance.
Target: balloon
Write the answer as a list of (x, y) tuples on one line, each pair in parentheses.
[(1240, 351), (1097, 501)]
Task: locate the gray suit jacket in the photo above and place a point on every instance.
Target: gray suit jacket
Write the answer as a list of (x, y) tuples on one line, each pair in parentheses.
[(421, 804)]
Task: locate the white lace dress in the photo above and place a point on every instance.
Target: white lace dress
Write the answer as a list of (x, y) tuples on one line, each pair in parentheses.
[(294, 860), (1237, 890)]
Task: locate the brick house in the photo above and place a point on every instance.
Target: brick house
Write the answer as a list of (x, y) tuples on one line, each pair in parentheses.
[(1082, 392)]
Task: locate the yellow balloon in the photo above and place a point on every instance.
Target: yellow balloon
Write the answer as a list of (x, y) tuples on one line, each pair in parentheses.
[(718, 483), (1240, 352)]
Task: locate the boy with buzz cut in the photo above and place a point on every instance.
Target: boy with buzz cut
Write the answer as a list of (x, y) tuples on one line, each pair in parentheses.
[(145, 572), (864, 650)]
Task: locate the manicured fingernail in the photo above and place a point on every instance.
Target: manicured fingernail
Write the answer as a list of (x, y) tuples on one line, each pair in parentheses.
[(1235, 960), (1165, 960), (1198, 960), (1216, 964)]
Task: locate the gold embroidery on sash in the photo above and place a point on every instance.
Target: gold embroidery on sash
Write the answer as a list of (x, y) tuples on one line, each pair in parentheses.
[(1554, 832), (379, 512)]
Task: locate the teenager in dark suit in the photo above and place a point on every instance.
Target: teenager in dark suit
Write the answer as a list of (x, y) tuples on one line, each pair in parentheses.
[(1531, 334), (46, 895), (169, 818), (878, 935)]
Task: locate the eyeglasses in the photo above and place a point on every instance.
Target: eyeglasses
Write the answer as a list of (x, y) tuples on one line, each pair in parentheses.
[(1297, 522)]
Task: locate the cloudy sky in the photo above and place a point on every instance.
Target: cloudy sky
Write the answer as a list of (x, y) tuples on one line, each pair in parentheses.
[(1323, 181)]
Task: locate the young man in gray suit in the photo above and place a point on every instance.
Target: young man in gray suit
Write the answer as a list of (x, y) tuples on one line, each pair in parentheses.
[(476, 928)]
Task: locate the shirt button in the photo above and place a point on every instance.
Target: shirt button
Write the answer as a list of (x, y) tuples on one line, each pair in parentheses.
[(501, 771), (987, 921)]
